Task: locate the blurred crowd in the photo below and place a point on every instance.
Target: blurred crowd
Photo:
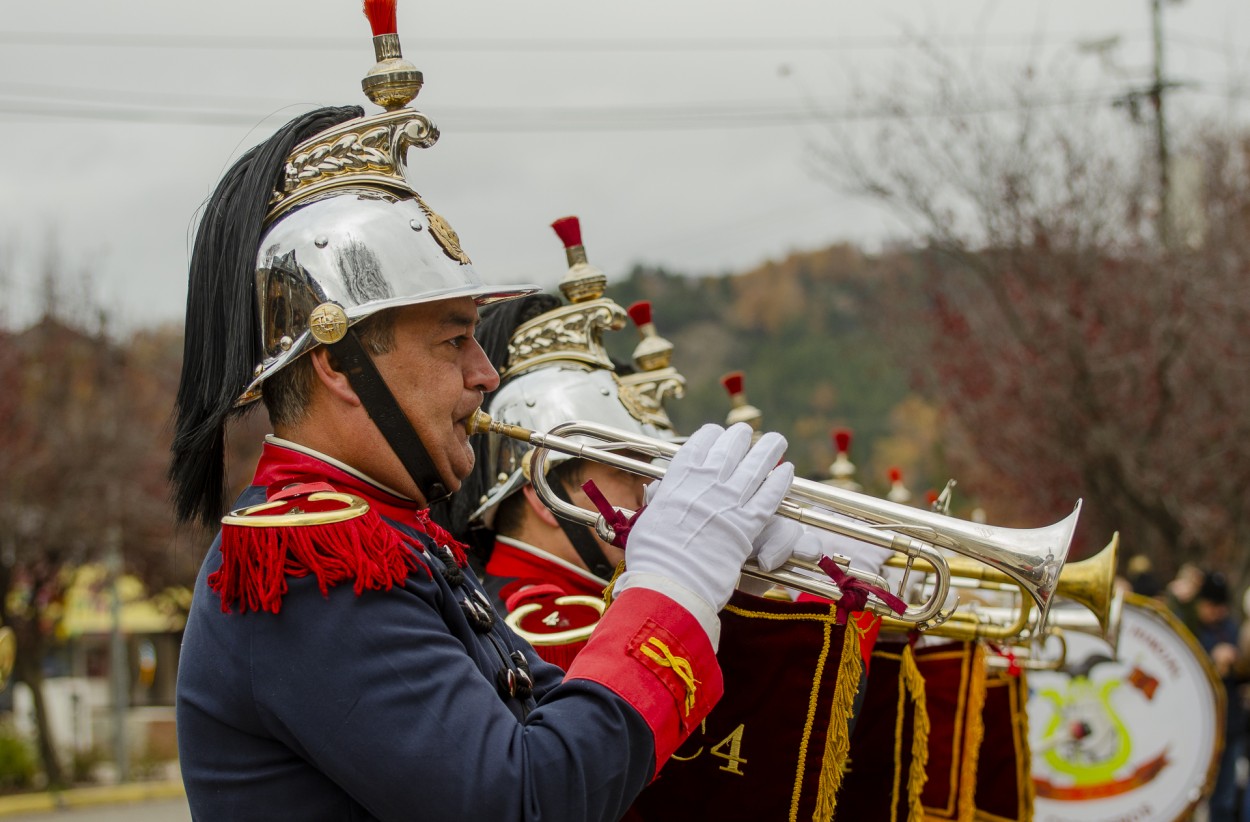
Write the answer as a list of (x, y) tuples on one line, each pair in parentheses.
[(1203, 600)]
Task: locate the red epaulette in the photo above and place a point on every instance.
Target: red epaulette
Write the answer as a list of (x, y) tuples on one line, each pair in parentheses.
[(556, 623), (302, 530)]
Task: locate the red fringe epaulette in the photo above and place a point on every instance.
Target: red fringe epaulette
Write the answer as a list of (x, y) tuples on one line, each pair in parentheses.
[(309, 529), (441, 536)]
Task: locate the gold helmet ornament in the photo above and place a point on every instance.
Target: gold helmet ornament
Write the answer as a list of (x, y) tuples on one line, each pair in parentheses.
[(898, 491), (739, 409), (653, 379), (556, 368), (842, 471), (308, 234)]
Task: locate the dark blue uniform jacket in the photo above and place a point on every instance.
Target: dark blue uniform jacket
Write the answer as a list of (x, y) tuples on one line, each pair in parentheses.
[(385, 706)]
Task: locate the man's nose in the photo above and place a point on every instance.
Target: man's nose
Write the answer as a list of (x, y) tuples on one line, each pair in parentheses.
[(479, 373)]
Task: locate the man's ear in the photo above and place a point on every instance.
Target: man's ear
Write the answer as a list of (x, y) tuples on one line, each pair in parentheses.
[(536, 505), (333, 380)]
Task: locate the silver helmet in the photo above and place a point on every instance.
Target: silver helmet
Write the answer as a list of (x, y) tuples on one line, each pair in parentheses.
[(559, 370), (348, 236), (311, 231)]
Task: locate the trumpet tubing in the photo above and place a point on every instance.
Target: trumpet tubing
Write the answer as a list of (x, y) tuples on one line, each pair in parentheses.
[(1028, 655), (1031, 558), (1005, 623), (969, 627)]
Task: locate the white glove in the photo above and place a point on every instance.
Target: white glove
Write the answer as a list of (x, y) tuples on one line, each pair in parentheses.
[(702, 521), (784, 538)]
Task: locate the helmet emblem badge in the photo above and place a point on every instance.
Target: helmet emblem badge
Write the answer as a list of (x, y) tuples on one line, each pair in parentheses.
[(328, 323), (445, 234)]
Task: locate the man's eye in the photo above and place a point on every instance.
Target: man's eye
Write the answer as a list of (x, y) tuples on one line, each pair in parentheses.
[(458, 342)]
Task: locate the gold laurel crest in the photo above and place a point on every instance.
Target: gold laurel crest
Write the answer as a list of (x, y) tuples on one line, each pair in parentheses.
[(633, 401), (445, 234)]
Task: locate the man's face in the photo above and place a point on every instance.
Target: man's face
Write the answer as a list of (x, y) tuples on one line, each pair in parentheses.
[(438, 372), (622, 489), (1210, 613)]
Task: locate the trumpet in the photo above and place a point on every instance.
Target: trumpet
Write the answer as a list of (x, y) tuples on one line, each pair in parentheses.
[(1031, 558), (1059, 622), (1090, 582)]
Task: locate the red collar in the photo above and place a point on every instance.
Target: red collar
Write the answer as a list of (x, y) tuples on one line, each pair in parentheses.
[(281, 466), (530, 566)]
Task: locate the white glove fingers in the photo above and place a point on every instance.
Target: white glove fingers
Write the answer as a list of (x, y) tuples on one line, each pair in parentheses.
[(808, 546), (777, 542), (862, 555), (766, 501), (694, 452), (761, 460), (729, 451)]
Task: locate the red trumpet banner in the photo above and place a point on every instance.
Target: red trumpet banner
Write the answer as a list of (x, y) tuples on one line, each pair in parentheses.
[(775, 746)]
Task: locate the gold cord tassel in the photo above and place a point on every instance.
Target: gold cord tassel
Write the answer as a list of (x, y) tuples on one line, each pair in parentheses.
[(680, 666), (838, 741)]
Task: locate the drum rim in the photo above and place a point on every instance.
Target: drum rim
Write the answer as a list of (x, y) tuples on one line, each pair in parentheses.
[(1152, 607), (1213, 679)]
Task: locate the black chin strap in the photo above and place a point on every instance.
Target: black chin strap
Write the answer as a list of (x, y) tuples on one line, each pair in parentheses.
[(582, 538), (386, 414)]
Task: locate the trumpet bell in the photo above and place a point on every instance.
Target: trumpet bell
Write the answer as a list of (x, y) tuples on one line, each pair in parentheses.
[(1081, 620), (1091, 582)]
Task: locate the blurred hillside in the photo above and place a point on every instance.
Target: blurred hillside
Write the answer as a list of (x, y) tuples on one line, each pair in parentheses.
[(810, 333)]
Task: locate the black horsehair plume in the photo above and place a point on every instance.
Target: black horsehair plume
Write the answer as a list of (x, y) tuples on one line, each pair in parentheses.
[(221, 344), (493, 334)]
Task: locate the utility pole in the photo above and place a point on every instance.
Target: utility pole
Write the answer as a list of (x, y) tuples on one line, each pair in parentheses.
[(1161, 133), (119, 662)]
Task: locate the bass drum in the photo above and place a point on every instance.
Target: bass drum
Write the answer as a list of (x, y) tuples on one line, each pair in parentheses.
[(1133, 738)]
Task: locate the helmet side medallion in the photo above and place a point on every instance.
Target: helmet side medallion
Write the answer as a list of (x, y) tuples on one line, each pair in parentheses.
[(328, 323)]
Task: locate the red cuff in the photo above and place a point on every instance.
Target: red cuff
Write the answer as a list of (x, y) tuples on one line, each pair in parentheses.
[(652, 653)]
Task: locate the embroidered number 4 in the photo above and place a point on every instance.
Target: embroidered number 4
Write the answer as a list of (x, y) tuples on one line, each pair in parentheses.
[(552, 619), (734, 743)]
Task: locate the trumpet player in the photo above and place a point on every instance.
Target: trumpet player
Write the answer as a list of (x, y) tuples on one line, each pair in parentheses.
[(339, 661)]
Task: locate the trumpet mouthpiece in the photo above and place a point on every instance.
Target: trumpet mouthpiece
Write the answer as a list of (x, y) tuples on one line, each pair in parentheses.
[(478, 423)]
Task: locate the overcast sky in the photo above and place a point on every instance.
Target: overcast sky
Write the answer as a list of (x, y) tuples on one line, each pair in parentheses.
[(680, 131)]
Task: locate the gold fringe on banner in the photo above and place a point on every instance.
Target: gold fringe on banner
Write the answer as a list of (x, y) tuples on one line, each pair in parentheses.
[(1018, 688), (607, 592), (913, 681), (974, 732), (838, 741), (1024, 757), (807, 727)]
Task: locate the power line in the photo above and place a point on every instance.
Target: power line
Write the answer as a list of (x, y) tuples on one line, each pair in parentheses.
[(1200, 42), (78, 93), (132, 115), (529, 119), (51, 39)]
